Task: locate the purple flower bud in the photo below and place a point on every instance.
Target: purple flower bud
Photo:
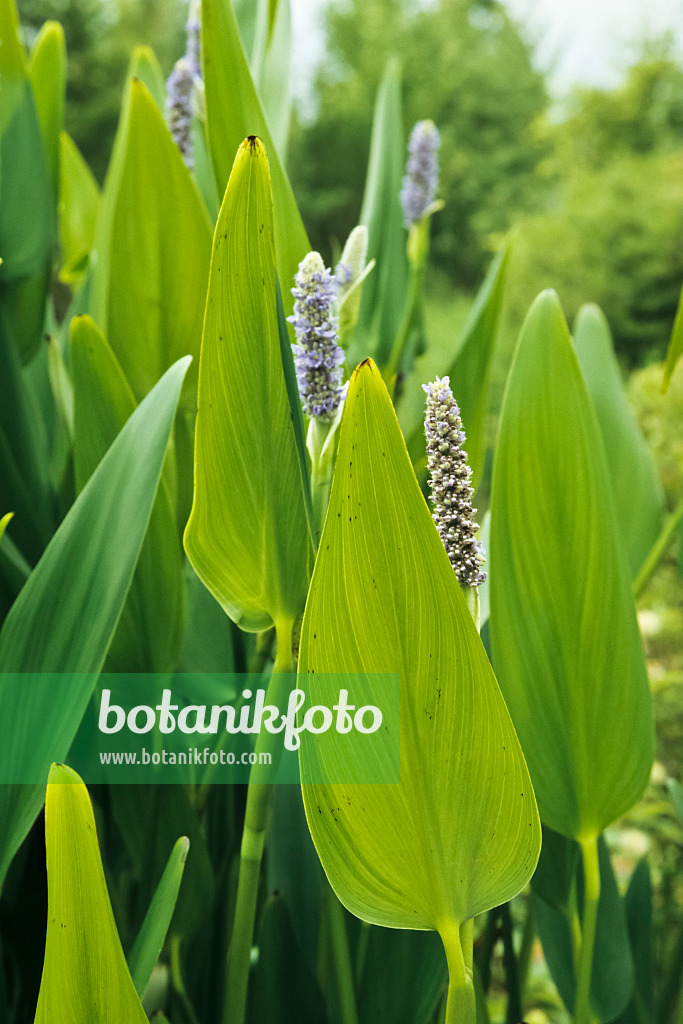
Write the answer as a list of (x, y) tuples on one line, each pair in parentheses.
[(422, 178), (180, 87), (317, 356), (449, 479)]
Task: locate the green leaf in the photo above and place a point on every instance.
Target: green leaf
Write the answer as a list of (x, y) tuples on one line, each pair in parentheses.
[(675, 346), (555, 872), (24, 458), (12, 55), (208, 642), (168, 810), (247, 536), (384, 292), (284, 988), (145, 67), (293, 868), (233, 111), (564, 635), (384, 599), (470, 370), (26, 243), (85, 978), (149, 632), (53, 628), (271, 68), (612, 978), (47, 70), (403, 978), (638, 494), (638, 906), (79, 199), (4, 522), (148, 945), (153, 241)]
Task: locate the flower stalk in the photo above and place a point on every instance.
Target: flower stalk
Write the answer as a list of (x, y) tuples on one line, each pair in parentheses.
[(256, 821), (419, 203)]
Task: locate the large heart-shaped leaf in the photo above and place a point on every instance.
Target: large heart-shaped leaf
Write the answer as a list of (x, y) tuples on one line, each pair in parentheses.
[(565, 640), (67, 612), (247, 536), (85, 977), (638, 494), (153, 242), (460, 832), (233, 112)]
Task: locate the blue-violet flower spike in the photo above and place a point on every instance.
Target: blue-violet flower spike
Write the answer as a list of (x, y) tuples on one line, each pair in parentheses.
[(180, 86), (449, 478), (318, 358), (422, 178)]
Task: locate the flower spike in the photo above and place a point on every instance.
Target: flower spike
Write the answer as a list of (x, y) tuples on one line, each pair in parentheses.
[(317, 356), (422, 173), (449, 478)]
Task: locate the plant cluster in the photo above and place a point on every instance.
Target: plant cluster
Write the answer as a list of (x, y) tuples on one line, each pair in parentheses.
[(208, 466)]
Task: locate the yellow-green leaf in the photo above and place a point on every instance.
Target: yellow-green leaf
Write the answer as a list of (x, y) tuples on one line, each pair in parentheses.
[(4, 522), (85, 978), (247, 536), (234, 111), (460, 832), (566, 646), (79, 199), (153, 243), (145, 66)]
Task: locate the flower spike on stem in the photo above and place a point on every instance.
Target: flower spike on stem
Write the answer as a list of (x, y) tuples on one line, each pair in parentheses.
[(449, 478), (318, 358), (422, 172)]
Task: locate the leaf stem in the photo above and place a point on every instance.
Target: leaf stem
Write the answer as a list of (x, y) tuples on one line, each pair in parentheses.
[(342, 961), (591, 871), (256, 820), (461, 1004), (658, 550), (410, 312)]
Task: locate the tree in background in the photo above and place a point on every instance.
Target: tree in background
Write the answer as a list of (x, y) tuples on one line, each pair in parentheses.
[(466, 66), (100, 38), (613, 229)]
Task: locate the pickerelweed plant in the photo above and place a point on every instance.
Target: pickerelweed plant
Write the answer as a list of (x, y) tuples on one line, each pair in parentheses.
[(214, 466)]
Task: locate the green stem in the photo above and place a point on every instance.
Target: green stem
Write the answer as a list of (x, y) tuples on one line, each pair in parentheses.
[(362, 950), (658, 550), (322, 471), (472, 600), (525, 950), (511, 967), (256, 819), (461, 1004), (342, 961), (410, 312), (591, 871)]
